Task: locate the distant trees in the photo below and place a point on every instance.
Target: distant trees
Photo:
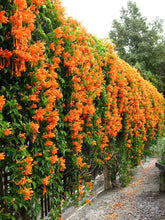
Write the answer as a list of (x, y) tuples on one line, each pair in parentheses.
[(141, 44)]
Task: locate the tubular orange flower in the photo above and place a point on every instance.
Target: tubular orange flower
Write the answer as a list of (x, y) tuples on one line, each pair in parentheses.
[(108, 157), (7, 131), (48, 143), (2, 101), (37, 2), (3, 19), (79, 162), (51, 46), (28, 86), (22, 181), (45, 181), (58, 32), (22, 135), (53, 159), (93, 142), (5, 54), (33, 106), (21, 4), (28, 160), (44, 190), (33, 98), (27, 170), (2, 156), (39, 114), (62, 164), (38, 154), (34, 137), (34, 127), (28, 193), (87, 201), (54, 150)]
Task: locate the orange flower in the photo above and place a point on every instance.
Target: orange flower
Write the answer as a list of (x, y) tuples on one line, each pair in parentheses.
[(34, 138), (108, 157), (87, 201), (39, 114), (28, 160), (3, 19), (33, 98), (6, 132), (23, 181), (28, 86), (37, 2), (58, 32), (93, 142), (79, 162), (128, 145), (2, 156), (34, 127), (45, 181), (52, 170), (28, 193), (51, 46), (53, 159), (54, 150), (27, 170), (2, 101), (44, 190), (48, 143), (62, 164), (33, 106), (38, 154), (89, 185), (22, 135)]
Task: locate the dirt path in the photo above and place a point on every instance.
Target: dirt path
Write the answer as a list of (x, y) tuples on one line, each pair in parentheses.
[(140, 200)]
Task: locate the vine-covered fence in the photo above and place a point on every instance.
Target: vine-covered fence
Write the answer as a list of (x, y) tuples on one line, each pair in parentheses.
[(68, 105)]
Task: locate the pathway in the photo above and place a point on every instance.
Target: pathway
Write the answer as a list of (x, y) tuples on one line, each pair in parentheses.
[(140, 200)]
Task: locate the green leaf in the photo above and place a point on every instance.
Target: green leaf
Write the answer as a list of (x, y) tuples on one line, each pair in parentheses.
[(15, 207)]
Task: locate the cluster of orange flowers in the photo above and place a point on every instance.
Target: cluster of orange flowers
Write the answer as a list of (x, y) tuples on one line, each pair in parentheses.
[(3, 19), (22, 21), (130, 95), (85, 70)]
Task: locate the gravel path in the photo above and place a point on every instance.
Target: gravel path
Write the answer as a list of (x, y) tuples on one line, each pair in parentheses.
[(140, 200)]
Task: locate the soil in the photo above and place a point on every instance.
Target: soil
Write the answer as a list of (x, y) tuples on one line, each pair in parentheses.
[(140, 200)]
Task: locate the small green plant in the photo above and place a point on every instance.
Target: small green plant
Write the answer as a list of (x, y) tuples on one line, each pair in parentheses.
[(163, 158), (126, 178), (159, 147)]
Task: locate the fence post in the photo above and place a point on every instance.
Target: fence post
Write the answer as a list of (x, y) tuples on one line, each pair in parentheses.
[(107, 179)]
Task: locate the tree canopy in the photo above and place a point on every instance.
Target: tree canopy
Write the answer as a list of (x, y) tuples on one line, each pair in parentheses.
[(139, 43)]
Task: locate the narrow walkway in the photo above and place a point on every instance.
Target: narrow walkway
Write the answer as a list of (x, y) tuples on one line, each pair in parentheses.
[(140, 200)]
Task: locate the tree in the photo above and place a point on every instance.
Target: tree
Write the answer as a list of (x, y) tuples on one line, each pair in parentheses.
[(139, 43)]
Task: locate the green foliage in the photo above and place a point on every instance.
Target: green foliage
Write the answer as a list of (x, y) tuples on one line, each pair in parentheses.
[(159, 147), (139, 42), (155, 79)]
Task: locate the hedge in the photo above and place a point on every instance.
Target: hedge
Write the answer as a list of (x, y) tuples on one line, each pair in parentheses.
[(68, 104)]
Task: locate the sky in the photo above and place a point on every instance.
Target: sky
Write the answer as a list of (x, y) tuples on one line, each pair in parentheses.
[(97, 15)]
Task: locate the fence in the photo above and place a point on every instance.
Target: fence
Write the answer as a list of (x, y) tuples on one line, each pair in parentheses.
[(44, 201)]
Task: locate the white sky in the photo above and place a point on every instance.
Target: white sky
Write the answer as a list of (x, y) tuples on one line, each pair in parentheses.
[(97, 15)]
